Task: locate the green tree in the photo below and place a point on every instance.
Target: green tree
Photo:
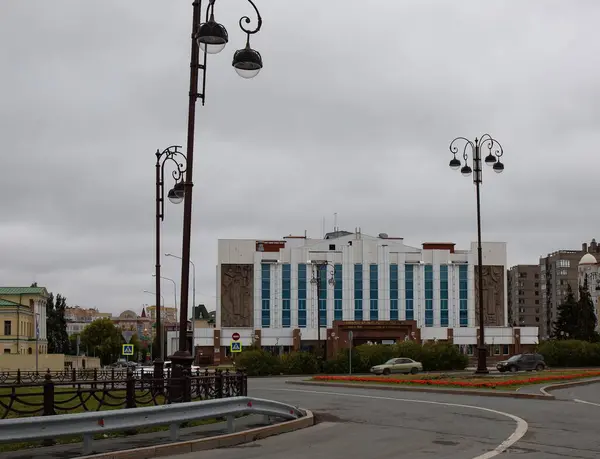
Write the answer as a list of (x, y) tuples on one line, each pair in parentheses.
[(586, 316), (103, 339), (56, 324), (565, 325)]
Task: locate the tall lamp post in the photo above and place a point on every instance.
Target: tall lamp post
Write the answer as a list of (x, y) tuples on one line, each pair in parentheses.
[(210, 37), (159, 350), (493, 158), (193, 296), (174, 297), (177, 159), (318, 281)]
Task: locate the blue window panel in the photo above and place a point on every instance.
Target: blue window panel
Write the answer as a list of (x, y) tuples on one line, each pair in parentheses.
[(338, 290), (286, 294), (463, 295), (323, 296), (409, 273), (373, 292), (302, 296), (265, 275), (358, 310), (393, 292), (393, 309), (444, 318), (428, 296), (358, 292), (444, 295)]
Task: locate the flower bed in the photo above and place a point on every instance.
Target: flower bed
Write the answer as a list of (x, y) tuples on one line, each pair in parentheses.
[(464, 383)]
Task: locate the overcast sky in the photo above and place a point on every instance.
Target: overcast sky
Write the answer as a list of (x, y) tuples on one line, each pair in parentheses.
[(353, 113)]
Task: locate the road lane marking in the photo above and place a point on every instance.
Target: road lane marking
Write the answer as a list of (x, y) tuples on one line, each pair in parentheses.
[(519, 432), (587, 403)]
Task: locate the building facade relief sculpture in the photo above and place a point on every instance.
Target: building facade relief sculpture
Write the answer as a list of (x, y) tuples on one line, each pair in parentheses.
[(237, 295), (493, 295)]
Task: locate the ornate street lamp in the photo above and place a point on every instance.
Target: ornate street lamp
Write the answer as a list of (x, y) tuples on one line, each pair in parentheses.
[(210, 37), (495, 152), (175, 158), (317, 280)]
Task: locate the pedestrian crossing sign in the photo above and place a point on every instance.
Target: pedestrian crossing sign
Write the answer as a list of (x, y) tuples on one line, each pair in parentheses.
[(236, 346), (127, 349)]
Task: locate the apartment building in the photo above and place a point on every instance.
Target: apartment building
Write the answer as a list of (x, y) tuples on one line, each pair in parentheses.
[(524, 298), (557, 270)]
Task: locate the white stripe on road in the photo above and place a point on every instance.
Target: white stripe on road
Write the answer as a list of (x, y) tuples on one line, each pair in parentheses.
[(587, 403), (521, 429)]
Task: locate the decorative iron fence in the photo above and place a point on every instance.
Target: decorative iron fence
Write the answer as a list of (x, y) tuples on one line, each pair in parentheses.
[(56, 396), (81, 374)]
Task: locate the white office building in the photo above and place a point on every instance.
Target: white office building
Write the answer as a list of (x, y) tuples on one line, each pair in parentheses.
[(264, 288)]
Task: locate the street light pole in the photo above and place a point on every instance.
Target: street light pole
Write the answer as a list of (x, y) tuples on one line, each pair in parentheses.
[(495, 152), (317, 280), (210, 37), (174, 299), (178, 160), (160, 351), (193, 295)]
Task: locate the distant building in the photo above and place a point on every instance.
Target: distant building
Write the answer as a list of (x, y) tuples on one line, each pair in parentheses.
[(141, 325), (524, 298), (23, 320), (557, 270), (589, 269), (78, 318), (167, 314)]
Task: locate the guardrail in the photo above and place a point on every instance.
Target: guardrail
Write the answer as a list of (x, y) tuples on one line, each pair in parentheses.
[(89, 424), (54, 398)]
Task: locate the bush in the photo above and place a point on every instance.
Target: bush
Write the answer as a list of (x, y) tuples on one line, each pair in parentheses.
[(570, 353), (259, 363), (434, 357), (299, 363)]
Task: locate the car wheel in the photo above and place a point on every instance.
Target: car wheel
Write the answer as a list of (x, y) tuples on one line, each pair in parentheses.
[(539, 367), (414, 371), (513, 369), (386, 372)]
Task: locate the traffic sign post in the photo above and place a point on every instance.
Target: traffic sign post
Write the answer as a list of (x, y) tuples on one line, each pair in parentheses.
[(127, 349), (235, 347), (127, 335)]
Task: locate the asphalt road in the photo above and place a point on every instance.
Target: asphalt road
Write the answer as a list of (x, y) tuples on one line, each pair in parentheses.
[(374, 424)]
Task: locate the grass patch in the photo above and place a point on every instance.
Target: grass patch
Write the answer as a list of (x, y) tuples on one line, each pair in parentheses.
[(502, 382)]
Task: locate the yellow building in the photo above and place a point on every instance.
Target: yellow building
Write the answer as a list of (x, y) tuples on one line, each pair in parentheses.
[(21, 308)]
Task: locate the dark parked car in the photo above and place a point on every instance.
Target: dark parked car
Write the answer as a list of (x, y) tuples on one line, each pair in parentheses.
[(520, 362)]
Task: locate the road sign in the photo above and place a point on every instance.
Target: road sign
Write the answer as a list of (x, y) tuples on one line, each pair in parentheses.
[(235, 336), (127, 349), (236, 346), (127, 335), (350, 335)]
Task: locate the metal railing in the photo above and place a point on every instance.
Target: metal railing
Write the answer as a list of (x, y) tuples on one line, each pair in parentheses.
[(51, 397), (82, 374), (89, 424)]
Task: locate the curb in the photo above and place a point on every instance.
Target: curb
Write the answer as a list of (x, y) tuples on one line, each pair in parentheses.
[(221, 441), (544, 390), (543, 396)]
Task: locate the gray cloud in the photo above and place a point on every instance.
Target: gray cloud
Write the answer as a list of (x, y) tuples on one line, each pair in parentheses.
[(353, 114)]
